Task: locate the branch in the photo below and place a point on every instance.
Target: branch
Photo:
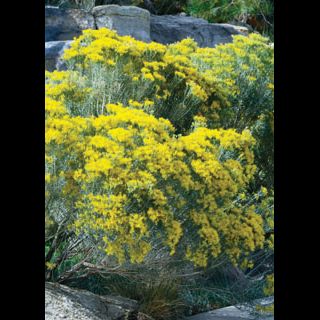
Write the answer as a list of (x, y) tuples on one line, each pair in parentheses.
[(56, 241)]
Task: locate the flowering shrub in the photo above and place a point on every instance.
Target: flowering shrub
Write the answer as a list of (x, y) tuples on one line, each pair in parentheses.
[(132, 181), (231, 85), (135, 153)]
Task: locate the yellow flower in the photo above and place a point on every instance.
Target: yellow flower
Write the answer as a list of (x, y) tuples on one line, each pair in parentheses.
[(50, 265), (135, 103), (149, 76), (111, 62), (251, 78), (148, 103)]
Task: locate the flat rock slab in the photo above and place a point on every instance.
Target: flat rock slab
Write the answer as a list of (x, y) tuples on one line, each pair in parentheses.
[(229, 313), (172, 28), (62, 302), (240, 312)]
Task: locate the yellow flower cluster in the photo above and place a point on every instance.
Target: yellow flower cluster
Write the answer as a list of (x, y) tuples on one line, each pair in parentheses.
[(147, 70), (181, 79), (132, 180)]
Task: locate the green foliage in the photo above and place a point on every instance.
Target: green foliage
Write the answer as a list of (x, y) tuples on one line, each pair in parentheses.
[(94, 282), (161, 7), (226, 10), (263, 131), (257, 13), (220, 293), (159, 298), (221, 286)]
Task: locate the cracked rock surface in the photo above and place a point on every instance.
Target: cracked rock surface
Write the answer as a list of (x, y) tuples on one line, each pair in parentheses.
[(62, 302)]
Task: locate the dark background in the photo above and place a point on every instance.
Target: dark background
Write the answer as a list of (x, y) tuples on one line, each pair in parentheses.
[(22, 152)]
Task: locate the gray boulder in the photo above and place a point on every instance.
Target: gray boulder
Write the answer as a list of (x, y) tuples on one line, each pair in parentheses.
[(171, 28), (53, 53), (239, 312), (62, 302), (65, 24), (126, 20)]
